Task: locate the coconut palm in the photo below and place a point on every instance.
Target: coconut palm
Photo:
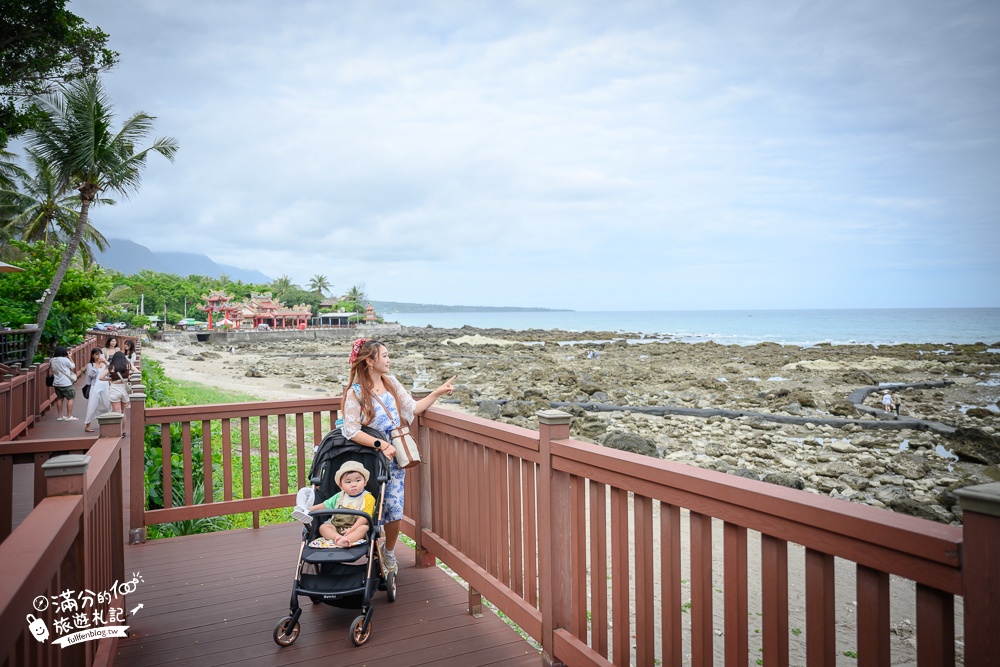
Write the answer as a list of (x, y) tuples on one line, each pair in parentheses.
[(319, 283), (9, 170), (74, 136), (43, 211), (280, 285)]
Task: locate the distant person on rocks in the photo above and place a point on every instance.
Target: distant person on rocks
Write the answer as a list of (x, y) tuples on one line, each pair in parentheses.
[(887, 401), (896, 401), (62, 370), (99, 400), (379, 400)]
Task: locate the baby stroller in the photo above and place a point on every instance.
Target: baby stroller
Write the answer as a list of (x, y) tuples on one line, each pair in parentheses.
[(341, 577)]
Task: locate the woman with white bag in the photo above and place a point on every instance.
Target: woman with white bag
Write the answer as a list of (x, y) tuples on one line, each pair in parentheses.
[(376, 399), (99, 400)]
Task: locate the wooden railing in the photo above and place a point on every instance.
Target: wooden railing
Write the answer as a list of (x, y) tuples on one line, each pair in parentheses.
[(608, 557), (236, 433), (24, 396), (71, 544)]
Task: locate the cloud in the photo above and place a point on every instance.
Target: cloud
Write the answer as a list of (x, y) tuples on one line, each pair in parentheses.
[(640, 154)]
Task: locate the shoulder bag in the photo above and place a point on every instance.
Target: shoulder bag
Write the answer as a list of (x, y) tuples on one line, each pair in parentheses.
[(407, 454)]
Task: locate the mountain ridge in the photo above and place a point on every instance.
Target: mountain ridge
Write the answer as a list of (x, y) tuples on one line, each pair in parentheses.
[(129, 257)]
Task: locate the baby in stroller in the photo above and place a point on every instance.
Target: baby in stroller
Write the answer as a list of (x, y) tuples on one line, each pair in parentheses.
[(342, 530), (341, 559)]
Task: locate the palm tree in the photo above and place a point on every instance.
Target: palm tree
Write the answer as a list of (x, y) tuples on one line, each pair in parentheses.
[(43, 211), (319, 283), (75, 137), (9, 170), (356, 293), (281, 285)]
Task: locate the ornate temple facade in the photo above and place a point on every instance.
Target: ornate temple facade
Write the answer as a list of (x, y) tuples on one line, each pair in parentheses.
[(251, 313)]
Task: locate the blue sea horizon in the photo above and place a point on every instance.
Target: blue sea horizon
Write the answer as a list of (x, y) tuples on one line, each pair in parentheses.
[(884, 326)]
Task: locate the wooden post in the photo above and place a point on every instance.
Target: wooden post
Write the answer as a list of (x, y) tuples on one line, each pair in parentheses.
[(981, 544), (554, 536), (64, 476), (421, 487), (137, 466)]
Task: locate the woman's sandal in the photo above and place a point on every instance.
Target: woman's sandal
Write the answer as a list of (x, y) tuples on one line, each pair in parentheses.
[(89, 430)]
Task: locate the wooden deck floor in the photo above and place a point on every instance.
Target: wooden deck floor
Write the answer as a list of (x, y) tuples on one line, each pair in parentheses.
[(214, 599)]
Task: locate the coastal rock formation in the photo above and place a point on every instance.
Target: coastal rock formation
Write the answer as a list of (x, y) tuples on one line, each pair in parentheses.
[(800, 417)]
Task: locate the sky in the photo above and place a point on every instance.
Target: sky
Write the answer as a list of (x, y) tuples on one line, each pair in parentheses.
[(574, 154)]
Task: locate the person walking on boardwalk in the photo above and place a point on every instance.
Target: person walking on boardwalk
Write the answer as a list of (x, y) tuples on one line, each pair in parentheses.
[(64, 377), (376, 399), (99, 400)]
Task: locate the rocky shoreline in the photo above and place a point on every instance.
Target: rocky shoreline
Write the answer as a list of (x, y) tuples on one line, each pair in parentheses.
[(787, 415)]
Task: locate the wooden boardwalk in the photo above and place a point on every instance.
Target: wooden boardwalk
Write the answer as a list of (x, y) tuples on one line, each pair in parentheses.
[(214, 599)]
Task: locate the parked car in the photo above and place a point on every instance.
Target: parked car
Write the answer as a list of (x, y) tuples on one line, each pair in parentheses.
[(100, 326), (121, 325), (263, 327)]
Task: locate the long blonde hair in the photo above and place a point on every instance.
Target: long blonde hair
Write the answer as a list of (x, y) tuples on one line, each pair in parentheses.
[(361, 358)]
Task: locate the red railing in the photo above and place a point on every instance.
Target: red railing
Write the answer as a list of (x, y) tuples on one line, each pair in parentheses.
[(235, 432), (24, 396), (72, 542), (607, 557)]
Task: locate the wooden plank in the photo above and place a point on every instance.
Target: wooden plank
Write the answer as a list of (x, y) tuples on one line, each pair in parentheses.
[(206, 457), (227, 460), (578, 567), (621, 634), (188, 461), (774, 582), (671, 644), (873, 618), (283, 453), (265, 456), (598, 568), (645, 634), (231, 623), (821, 619), (737, 640), (935, 628), (702, 634)]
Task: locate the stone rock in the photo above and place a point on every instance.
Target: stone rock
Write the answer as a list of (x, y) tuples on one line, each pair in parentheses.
[(590, 388), (909, 465), (803, 397), (630, 442), (292, 385), (489, 409), (842, 408), (208, 354), (744, 472), (835, 469), (589, 426), (184, 352), (976, 445), (843, 447), (789, 480), (792, 408), (856, 482), (252, 372)]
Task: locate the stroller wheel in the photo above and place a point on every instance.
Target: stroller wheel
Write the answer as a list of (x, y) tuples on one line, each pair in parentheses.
[(282, 635), (358, 633), (390, 587)]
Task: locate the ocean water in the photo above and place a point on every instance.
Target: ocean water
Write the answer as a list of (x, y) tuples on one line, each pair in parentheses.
[(748, 327)]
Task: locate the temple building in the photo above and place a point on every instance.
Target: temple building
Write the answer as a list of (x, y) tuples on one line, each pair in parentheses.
[(250, 314)]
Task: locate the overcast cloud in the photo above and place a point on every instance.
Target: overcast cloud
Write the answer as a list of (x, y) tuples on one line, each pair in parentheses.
[(587, 155)]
